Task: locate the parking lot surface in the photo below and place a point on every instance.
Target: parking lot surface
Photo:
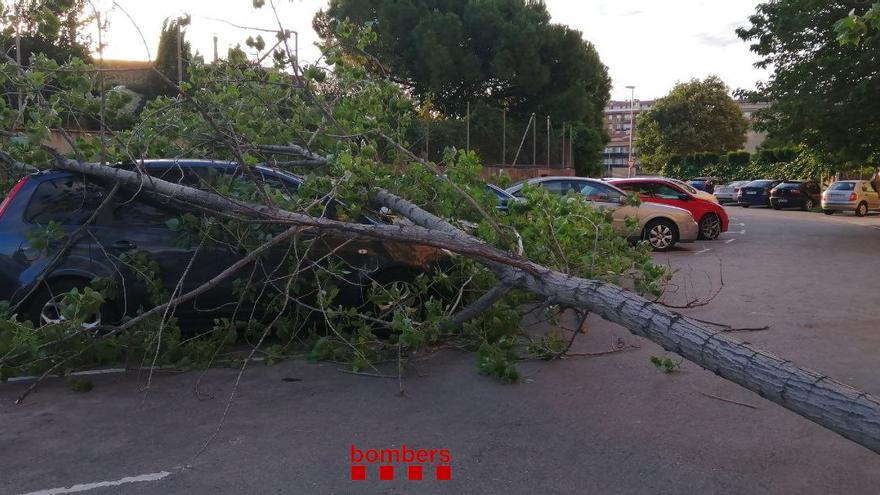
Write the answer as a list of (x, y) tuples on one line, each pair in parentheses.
[(607, 424)]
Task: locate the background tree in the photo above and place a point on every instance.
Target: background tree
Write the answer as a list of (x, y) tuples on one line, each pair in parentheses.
[(52, 28), (504, 53), (824, 93), (167, 54), (696, 116)]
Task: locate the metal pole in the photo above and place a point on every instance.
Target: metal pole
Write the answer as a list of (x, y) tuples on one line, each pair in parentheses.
[(179, 53), (18, 52), (427, 140), (548, 141), (534, 141), (101, 82), (504, 136), (571, 147), (632, 130), (468, 127), (215, 49), (563, 145)]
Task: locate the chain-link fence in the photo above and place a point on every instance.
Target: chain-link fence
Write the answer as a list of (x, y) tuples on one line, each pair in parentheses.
[(500, 138)]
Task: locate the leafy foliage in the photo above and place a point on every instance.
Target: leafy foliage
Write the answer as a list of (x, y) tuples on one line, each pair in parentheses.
[(354, 118), (696, 116), (824, 92), (503, 54), (53, 29)]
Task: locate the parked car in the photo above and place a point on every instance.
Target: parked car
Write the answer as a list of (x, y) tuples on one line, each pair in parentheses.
[(796, 194), (706, 184), (757, 192), (661, 225), (504, 197), (726, 193), (858, 196), (136, 222), (710, 216)]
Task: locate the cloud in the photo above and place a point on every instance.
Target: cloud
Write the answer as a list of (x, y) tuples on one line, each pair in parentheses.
[(716, 40)]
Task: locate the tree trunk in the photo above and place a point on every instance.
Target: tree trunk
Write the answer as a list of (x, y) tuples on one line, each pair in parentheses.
[(838, 407)]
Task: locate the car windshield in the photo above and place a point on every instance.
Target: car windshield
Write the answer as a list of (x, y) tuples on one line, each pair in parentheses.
[(687, 187), (843, 186), (761, 183), (789, 185)]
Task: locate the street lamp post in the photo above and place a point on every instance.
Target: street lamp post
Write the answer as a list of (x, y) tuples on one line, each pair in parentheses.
[(632, 129)]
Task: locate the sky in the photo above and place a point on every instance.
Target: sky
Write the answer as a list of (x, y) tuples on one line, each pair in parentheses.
[(651, 44)]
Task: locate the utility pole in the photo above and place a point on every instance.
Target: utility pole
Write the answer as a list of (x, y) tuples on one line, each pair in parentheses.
[(632, 130), (534, 141), (215, 49), (504, 136), (18, 52), (468, 127), (179, 53), (548, 141)]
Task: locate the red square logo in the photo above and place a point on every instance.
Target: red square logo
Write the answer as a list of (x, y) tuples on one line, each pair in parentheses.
[(444, 473), (386, 472), (414, 473), (359, 473)]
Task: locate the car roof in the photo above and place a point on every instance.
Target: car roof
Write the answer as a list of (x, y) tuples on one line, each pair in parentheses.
[(190, 163)]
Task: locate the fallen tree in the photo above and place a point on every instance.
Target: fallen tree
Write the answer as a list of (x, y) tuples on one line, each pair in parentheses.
[(817, 397), (559, 251)]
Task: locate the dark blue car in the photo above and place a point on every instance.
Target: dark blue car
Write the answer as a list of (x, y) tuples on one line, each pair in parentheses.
[(135, 222), (757, 193)]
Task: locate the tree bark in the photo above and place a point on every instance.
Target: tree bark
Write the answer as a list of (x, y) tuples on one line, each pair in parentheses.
[(834, 405)]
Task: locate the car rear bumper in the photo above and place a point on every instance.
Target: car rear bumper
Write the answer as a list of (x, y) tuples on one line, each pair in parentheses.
[(753, 200), (839, 205), (787, 202)]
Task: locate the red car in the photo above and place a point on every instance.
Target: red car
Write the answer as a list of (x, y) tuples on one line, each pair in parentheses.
[(709, 215)]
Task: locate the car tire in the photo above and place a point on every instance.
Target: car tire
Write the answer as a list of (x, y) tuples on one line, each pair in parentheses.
[(808, 205), (661, 234), (828, 212), (862, 209), (745, 206), (777, 206), (45, 305), (710, 227)]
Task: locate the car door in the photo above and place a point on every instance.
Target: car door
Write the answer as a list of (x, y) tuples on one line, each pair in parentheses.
[(135, 238)]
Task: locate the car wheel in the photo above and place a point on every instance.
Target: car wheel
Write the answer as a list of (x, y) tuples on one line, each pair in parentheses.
[(828, 212), (862, 209), (745, 206), (777, 206), (808, 205), (710, 227), (46, 306), (661, 235)]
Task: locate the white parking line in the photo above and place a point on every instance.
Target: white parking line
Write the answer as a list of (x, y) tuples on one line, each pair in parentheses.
[(703, 251), (729, 241), (103, 484), (743, 231)]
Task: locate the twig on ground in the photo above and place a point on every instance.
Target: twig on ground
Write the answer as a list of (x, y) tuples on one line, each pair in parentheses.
[(722, 399)]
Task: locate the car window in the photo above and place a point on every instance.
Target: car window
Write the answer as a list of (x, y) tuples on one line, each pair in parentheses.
[(843, 186), (554, 186), (595, 191), (66, 200), (144, 212), (663, 191)]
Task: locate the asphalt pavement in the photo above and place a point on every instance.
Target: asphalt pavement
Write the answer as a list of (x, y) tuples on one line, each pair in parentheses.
[(606, 424)]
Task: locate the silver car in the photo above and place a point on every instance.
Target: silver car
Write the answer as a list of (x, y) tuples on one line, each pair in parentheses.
[(726, 193), (857, 196), (661, 225)]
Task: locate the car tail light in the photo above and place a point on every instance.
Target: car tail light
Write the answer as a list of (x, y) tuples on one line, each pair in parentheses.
[(852, 197), (11, 195)]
